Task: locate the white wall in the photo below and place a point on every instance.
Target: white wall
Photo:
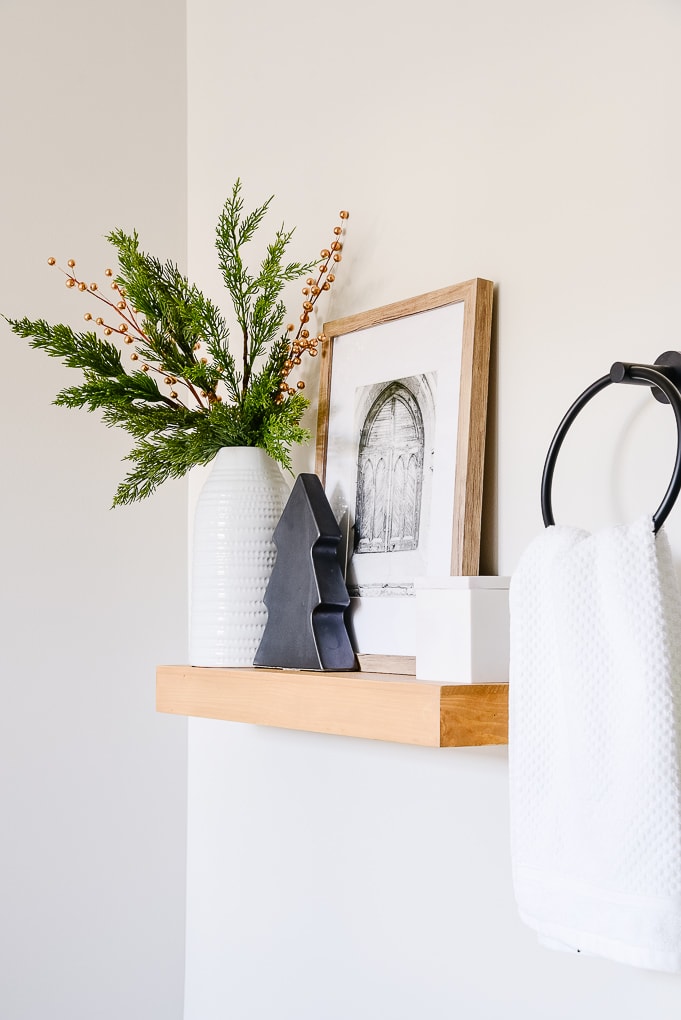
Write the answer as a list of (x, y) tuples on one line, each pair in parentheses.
[(533, 144), (92, 781)]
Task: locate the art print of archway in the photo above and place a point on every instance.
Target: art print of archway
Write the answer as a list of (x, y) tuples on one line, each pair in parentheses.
[(390, 473)]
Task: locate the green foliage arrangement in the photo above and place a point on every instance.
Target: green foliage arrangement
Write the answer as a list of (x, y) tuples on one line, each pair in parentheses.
[(187, 395)]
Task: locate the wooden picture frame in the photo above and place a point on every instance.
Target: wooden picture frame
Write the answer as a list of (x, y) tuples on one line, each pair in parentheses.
[(400, 448)]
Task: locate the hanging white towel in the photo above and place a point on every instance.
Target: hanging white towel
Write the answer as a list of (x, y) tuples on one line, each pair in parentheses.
[(594, 743)]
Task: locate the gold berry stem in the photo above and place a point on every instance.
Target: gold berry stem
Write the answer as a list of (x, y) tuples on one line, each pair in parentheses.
[(131, 320), (327, 254), (190, 387), (166, 400), (306, 316), (174, 380), (172, 403), (94, 292), (311, 292), (143, 336)]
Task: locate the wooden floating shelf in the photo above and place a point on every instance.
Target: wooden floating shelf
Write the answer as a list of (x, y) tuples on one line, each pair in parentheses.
[(379, 706)]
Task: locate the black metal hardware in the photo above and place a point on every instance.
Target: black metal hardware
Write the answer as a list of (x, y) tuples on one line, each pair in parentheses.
[(664, 378), (670, 363)]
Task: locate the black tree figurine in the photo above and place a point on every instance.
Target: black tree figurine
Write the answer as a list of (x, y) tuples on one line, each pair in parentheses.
[(306, 597)]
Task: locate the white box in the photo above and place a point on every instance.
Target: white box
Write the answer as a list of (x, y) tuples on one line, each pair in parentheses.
[(462, 629)]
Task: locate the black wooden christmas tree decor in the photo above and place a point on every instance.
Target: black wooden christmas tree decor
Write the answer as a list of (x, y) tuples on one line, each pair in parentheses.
[(306, 597)]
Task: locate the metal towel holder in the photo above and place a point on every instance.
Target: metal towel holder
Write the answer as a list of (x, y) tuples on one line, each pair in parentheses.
[(665, 379)]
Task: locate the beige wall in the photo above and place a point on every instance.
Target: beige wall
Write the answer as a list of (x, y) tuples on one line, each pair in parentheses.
[(533, 144), (92, 782), (527, 143)]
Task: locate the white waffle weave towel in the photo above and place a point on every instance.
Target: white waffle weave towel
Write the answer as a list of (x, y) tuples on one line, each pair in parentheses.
[(594, 743)]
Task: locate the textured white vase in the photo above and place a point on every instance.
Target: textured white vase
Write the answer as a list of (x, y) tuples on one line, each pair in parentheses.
[(236, 513)]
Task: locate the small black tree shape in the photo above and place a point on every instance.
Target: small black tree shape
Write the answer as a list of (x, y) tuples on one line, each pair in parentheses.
[(306, 597)]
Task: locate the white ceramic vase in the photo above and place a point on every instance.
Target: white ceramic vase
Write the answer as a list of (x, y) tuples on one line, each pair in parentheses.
[(236, 513)]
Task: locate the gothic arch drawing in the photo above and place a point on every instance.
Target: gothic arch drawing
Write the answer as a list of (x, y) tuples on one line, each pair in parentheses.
[(390, 473)]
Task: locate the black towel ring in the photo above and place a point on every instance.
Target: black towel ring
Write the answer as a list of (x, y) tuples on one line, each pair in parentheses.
[(664, 376)]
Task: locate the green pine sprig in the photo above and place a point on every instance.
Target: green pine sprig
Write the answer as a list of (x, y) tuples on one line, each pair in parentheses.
[(186, 395)]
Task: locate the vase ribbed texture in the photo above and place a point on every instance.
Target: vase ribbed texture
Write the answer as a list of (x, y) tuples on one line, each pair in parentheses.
[(236, 514)]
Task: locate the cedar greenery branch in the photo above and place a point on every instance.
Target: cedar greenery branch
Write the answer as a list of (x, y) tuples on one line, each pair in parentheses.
[(186, 395)]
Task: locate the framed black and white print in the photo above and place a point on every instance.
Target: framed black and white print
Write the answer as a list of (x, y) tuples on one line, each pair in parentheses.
[(400, 450)]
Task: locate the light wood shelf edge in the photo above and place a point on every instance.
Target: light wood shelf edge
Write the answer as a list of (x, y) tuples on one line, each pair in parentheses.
[(378, 706)]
